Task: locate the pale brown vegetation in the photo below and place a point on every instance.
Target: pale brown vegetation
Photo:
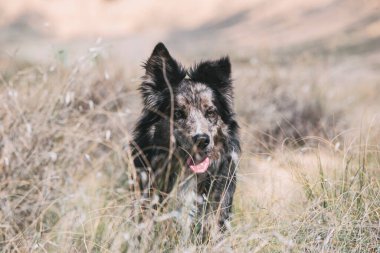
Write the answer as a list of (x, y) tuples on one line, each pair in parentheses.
[(65, 165), (306, 96)]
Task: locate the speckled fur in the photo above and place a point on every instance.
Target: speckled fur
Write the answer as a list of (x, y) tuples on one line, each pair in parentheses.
[(203, 103)]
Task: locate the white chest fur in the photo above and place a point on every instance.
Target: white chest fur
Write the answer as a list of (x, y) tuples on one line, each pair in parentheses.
[(187, 200)]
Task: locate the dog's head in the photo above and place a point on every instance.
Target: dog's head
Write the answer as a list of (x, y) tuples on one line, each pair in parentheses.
[(194, 106)]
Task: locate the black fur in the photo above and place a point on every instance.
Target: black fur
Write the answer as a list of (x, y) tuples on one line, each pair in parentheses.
[(152, 140)]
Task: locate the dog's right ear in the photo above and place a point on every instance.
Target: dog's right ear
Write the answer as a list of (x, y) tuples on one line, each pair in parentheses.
[(161, 70)]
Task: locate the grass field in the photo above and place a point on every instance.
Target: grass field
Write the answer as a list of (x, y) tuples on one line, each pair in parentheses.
[(308, 179), (307, 86)]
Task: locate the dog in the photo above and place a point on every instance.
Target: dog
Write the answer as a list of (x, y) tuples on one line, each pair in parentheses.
[(187, 136)]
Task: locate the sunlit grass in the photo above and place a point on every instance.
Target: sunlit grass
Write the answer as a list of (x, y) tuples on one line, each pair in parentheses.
[(65, 171)]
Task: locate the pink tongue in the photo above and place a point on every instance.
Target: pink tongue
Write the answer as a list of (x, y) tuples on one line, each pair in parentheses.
[(200, 167)]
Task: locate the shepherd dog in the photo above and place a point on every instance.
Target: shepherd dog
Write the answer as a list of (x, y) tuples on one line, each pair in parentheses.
[(186, 140)]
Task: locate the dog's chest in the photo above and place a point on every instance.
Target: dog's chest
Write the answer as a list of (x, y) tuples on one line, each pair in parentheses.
[(187, 197), (187, 200)]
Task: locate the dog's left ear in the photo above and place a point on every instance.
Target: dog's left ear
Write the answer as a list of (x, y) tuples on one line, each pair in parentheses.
[(217, 74), (212, 72)]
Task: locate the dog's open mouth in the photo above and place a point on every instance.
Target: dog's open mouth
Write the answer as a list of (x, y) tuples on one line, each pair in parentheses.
[(198, 167)]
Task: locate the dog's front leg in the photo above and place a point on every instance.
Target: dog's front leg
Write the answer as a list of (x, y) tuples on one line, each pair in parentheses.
[(221, 198), (216, 210)]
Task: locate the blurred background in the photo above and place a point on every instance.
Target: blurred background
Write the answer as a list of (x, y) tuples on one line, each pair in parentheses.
[(35, 29), (307, 87), (285, 49)]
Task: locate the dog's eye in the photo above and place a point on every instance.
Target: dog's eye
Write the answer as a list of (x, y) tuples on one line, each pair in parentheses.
[(179, 114), (211, 113)]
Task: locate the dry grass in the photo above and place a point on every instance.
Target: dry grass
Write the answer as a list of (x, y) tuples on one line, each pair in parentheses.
[(64, 134)]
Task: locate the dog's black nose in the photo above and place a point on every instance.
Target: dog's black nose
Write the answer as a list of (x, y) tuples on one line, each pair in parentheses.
[(201, 140)]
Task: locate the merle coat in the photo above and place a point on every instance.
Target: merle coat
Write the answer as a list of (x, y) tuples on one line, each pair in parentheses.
[(179, 105)]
